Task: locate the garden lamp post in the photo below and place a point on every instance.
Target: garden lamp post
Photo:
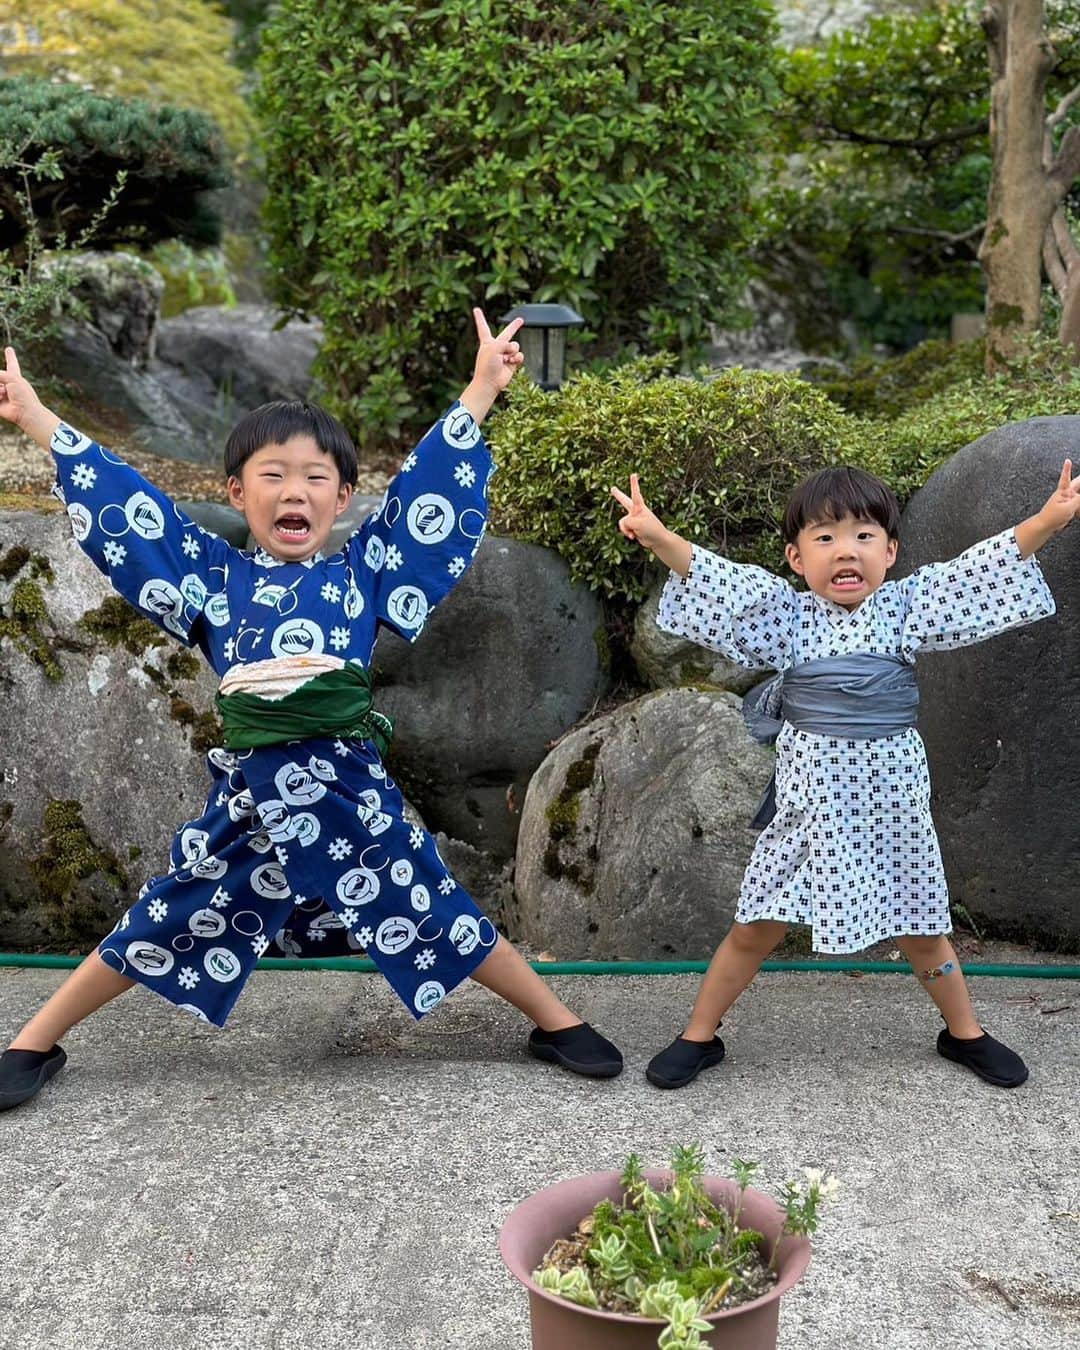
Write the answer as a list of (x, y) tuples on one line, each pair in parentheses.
[(543, 340)]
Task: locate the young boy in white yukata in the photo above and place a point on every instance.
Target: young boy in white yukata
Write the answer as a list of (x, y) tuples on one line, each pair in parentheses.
[(303, 836), (848, 845)]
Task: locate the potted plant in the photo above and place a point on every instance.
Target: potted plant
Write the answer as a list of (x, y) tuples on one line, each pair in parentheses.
[(647, 1259)]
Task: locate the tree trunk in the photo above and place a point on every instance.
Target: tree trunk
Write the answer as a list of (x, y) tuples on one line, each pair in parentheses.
[(1022, 198)]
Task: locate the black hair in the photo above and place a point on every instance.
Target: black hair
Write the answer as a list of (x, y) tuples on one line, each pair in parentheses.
[(832, 494), (275, 423)]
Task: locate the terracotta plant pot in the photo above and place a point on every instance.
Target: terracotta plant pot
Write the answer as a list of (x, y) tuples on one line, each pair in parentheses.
[(558, 1325)]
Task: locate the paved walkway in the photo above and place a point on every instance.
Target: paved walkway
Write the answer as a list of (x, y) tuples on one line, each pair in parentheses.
[(327, 1175)]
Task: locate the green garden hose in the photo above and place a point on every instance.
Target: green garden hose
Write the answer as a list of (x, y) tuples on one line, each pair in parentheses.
[(362, 965)]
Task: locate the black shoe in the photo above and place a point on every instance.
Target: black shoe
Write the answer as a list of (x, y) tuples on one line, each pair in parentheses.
[(579, 1049), (23, 1073), (992, 1061), (682, 1061)]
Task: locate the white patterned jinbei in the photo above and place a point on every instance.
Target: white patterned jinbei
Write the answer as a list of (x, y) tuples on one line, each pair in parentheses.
[(302, 844), (852, 850)]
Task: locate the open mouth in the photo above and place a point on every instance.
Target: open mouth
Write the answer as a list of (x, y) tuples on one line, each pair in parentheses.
[(847, 580), (293, 528)]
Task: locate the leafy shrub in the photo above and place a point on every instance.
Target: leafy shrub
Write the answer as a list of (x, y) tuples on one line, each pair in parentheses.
[(717, 460), (170, 159), (884, 388), (425, 157)]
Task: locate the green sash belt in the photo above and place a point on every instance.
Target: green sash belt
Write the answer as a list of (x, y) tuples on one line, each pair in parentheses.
[(336, 703)]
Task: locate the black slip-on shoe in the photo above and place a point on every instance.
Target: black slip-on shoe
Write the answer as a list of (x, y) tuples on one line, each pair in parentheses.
[(23, 1073), (682, 1061), (580, 1049), (993, 1062)]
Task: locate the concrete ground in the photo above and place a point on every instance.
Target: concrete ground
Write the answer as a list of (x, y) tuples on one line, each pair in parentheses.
[(326, 1173)]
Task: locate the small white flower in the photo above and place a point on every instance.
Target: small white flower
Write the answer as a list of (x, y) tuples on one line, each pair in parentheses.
[(830, 1188), (331, 593), (188, 978), (82, 475), (190, 546), (339, 638), (157, 909), (456, 566), (814, 1176), (114, 553), (424, 960), (339, 849), (465, 474), (365, 937)]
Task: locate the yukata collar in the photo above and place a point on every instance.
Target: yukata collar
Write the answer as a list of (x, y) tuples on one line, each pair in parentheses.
[(837, 614), (264, 559)]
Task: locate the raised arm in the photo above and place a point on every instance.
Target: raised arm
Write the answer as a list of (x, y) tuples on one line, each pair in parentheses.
[(642, 525), (424, 536), (154, 556)]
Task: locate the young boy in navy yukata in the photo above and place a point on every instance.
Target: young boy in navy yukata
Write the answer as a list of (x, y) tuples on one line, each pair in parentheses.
[(303, 836), (848, 845)]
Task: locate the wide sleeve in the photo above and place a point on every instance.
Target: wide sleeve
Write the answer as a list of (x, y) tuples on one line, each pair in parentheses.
[(414, 549), (745, 613), (155, 557), (986, 590)]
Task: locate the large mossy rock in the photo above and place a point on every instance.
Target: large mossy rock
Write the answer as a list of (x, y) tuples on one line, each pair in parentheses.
[(511, 659), (635, 830), (105, 724), (999, 719)]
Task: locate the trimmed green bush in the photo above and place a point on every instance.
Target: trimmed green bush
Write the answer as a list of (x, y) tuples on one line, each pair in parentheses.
[(717, 460), (171, 158), (422, 158)]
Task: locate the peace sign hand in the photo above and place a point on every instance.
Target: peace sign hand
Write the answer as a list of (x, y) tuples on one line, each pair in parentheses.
[(639, 522), (499, 357), (1064, 505)]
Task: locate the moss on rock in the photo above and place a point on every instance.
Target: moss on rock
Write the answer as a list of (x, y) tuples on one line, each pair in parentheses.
[(118, 624), (21, 621), (563, 813), (69, 858)]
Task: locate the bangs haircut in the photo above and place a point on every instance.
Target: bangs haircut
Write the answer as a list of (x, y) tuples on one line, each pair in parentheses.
[(276, 423), (832, 494)]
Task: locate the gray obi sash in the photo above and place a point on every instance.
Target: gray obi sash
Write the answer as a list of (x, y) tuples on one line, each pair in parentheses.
[(860, 697)]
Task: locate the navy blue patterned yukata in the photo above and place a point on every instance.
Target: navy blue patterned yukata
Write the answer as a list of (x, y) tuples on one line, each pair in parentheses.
[(302, 844)]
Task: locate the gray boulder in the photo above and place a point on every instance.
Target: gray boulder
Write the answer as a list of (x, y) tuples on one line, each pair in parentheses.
[(509, 661), (120, 295), (635, 830), (665, 661), (999, 719), (234, 358), (105, 722)]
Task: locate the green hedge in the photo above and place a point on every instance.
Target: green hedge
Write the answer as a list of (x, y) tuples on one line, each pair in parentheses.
[(422, 158), (719, 457)]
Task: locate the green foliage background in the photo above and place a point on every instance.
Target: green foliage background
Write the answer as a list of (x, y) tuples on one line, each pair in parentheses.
[(426, 157)]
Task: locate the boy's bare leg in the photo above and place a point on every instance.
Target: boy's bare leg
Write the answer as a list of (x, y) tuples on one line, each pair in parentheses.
[(737, 961), (89, 987), (506, 973), (937, 969)]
